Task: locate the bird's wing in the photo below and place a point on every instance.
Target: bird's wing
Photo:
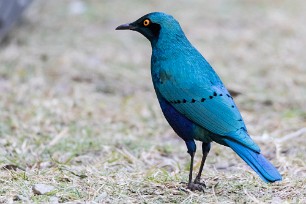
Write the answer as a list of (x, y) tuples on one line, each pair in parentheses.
[(212, 108)]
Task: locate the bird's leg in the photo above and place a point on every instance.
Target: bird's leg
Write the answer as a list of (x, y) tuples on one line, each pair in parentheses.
[(198, 177), (192, 185), (191, 146), (191, 168), (205, 150)]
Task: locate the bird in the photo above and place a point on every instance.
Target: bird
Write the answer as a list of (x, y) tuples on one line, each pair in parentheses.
[(193, 98)]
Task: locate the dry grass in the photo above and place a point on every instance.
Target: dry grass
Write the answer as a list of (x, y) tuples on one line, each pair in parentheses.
[(78, 110)]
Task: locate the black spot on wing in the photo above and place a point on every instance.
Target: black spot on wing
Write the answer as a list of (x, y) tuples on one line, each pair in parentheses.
[(214, 94), (229, 96), (164, 76)]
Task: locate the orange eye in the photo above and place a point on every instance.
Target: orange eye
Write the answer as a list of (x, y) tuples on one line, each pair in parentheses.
[(146, 22)]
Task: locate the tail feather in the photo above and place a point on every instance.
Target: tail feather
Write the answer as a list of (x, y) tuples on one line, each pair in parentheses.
[(256, 161)]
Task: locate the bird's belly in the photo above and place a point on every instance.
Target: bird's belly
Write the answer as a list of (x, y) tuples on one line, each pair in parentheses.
[(184, 127)]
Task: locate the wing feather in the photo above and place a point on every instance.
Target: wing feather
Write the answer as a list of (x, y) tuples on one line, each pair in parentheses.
[(212, 109)]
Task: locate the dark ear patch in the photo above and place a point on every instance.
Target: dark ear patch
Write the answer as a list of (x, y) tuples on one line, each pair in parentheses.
[(155, 28)]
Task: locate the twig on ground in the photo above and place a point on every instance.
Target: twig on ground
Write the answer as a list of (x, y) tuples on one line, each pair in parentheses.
[(58, 137), (291, 136), (255, 200)]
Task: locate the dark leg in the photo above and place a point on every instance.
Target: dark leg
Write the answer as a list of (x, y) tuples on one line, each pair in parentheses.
[(205, 150), (191, 150), (191, 169)]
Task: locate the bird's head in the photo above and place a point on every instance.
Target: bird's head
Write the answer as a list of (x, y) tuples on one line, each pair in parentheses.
[(152, 25)]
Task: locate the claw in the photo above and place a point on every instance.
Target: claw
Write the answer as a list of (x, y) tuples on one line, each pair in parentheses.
[(196, 187), (197, 181)]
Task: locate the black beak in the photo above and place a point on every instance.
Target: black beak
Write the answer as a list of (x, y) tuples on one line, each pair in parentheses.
[(127, 26), (124, 27)]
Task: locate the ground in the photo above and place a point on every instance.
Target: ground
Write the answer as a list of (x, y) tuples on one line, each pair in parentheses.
[(79, 113)]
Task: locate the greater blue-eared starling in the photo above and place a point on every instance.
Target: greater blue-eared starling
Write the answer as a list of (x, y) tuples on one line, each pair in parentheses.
[(193, 99)]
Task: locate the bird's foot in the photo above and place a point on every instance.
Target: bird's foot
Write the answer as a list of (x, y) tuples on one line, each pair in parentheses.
[(196, 186), (198, 181)]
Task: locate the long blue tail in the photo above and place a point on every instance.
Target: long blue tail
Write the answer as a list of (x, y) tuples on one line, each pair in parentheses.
[(256, 161)]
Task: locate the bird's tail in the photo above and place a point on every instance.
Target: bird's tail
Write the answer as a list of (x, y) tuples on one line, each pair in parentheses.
[(256, 161)]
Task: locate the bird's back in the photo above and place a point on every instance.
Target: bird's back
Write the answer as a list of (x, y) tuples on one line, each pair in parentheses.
[(183, 77)]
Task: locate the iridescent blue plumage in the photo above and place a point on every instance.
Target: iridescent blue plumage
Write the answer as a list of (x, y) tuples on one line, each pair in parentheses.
[(193, 98)]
